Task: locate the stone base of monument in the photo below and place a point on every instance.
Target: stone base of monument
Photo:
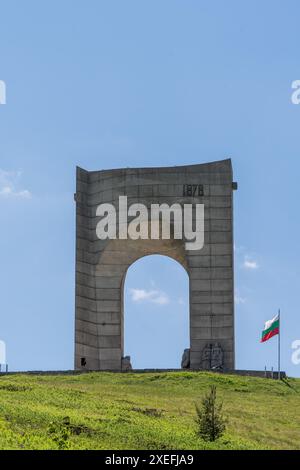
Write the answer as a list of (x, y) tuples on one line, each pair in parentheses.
[(250, 373)]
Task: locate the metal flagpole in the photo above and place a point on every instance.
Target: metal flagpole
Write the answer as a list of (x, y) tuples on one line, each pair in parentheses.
[(279, 344)]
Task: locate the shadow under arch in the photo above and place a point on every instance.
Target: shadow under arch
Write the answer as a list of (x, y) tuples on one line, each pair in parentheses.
[(156, 312)]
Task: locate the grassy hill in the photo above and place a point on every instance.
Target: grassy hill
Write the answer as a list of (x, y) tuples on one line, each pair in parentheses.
[(144, 411)]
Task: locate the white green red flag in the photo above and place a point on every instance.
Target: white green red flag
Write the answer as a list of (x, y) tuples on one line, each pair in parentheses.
[(271, 329)]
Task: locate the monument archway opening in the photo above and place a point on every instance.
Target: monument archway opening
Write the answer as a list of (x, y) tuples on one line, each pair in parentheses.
[(156, 313)]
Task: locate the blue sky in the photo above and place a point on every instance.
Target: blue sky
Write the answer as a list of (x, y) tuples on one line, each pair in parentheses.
[(107, 84)]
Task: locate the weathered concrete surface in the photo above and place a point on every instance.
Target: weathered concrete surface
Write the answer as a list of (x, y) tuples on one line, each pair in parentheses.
[(101, 265)]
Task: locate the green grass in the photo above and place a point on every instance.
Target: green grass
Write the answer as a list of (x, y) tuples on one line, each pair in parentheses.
[(144, 411)]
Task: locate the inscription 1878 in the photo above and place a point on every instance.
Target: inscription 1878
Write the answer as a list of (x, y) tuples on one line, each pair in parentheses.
[(193, 190)]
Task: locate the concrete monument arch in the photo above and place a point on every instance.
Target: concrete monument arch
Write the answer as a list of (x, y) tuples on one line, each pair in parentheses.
[(101, 265)]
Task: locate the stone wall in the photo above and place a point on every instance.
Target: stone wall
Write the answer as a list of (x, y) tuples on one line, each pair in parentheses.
[(101, 265)]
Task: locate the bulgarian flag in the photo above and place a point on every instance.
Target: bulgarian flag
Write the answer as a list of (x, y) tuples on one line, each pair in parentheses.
[(271, 329)]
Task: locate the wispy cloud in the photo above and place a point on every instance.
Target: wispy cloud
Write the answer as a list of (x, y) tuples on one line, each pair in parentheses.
[(239, 300), (10, 185), (154, 295), (250, 263)]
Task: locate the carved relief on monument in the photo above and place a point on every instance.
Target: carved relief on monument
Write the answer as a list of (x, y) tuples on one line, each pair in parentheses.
[(212, 357)]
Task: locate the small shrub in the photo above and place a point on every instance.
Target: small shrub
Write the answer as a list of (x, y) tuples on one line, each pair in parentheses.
[(210, 422), (60, 432)]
